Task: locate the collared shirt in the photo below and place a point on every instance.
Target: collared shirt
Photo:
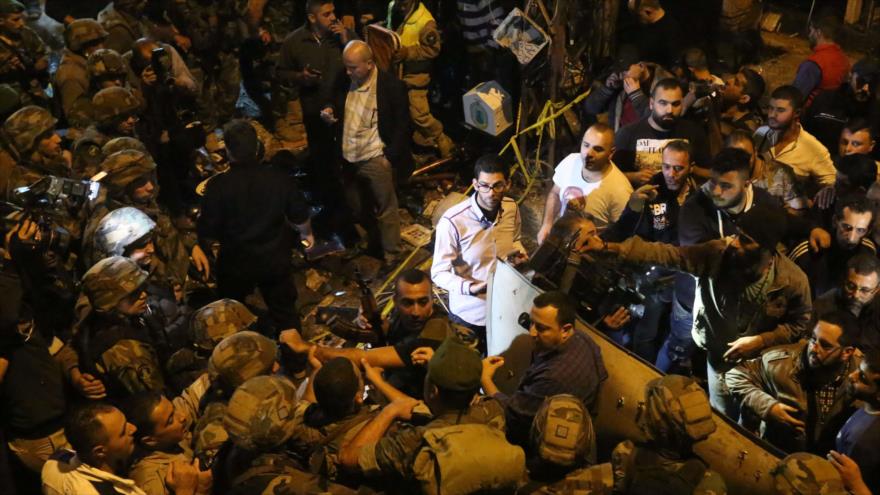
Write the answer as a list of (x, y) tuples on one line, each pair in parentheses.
[(806, 156), (360, 137), (65, 474), (465, 250), (575, 368)]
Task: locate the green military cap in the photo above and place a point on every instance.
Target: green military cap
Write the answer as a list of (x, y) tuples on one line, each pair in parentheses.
[(242, 356), (123, 143), (81, 32), (260, 413), (806, 474), (111, 280), (10, 7), (455, 366), (125, 167), (676, 407), (218, 320)]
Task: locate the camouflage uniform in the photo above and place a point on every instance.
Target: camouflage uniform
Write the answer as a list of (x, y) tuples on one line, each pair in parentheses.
[(108, 108), (676, 415), (806, 474), (31, 52), (116, 348), (72, 76), (419, 45), (260, 420), (235, 360), (124, 22)]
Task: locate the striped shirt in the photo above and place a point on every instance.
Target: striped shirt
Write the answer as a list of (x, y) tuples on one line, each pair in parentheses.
[(360, 134), (478, 19)]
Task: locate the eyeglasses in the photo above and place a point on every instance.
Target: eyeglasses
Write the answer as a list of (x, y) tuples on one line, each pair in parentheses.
[(851, 287), (497, 187), (825, 346)]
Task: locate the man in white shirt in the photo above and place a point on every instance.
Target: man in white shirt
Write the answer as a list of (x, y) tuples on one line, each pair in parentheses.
[(104, 442), (783, 139), (470, 236), (589, 182)]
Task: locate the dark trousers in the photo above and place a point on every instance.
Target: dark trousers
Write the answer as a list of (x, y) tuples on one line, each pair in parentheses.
[(279, 293), (474, 333)]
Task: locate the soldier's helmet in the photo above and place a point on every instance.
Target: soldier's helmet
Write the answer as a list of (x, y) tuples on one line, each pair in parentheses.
[(82, 32), (10, 99), (110, 280), (240, 357), (218, 320), (260, 413), (120, 229), (806, 474), (11, 7), (562, 431), (27, 126), (106, 64), (677, 410), (114, 103), (125, 167), (122, 143)]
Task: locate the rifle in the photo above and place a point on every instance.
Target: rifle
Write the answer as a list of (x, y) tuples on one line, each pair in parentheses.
[(370, 308)]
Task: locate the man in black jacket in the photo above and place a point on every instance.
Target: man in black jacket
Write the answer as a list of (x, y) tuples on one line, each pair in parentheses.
[(249, 211), (373, 125)]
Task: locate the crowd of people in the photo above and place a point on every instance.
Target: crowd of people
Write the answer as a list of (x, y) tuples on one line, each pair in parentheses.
[(163, 164)]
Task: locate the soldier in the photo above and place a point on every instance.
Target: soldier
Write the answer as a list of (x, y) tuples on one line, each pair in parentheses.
[(82, 37), (114, 113), (122, 143), (676, 416), (113, 343), (24, 61), (125, 22), (563, 442), (107, 69), (419, 44), (801, 473), (235, 360), (36, 147), (259, 420), (208, 326)]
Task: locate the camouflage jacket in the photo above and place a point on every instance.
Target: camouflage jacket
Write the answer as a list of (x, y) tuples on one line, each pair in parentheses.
[(639, 470), (29, 49), (590, 480), (270, 473), (72, 85)]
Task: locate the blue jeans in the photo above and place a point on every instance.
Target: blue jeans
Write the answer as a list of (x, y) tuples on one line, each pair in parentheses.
[(644, 332), (679, 345)]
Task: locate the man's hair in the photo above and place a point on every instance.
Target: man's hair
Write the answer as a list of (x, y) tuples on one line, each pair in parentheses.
[(652, 4), (602, 128), (731, 160), (790, 94), (412, 276), (859, 169), (679, 145), (565, 309), (828, 25), (739, 136), (138, 410), (314, 4), (83, 429), (669, 83), (695, 58), (850, 329), (857, 203), (755, 86), (857, 124), (490, 164), (242, 143), (336, 384), (864, 264)]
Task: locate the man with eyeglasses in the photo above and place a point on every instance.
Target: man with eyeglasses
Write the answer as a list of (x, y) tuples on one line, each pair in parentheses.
[(470, 237), (851, 225), (800, 391), (857, 294), (588, 182)]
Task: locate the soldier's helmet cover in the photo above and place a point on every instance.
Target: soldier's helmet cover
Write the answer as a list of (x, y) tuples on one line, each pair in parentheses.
[(806, 474), (83, 31), (119, 229), (218, 320), (11, 7), (111, 103), (27, 126), (125, 167), (123, 143), (260, 413), (105, 62), (676, 410), (242, 356), (110, 280), (562, 431)]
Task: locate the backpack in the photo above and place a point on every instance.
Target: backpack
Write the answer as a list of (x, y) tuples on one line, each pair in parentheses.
[(467, 458), (322, 460), (562, 431), (277, 473), (650, 473)]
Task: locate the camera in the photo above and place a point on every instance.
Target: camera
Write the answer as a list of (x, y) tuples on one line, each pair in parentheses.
[(160, 61)]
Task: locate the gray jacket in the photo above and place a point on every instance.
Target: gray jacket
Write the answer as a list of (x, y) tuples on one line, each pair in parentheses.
[(781, 319)]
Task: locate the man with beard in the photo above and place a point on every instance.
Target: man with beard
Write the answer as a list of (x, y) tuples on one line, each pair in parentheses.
[(588, 182), (103, 443), (748, 297), (851, 224), (857, 293), (800, 390), (859, 437), (739, 102), (855, 99), (24, 60), (470, 237), (639, 145), (410, 332), (826, 68), (784, 139)]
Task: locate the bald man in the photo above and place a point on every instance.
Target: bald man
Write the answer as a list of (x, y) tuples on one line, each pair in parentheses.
[(589, 182), (371, 114)]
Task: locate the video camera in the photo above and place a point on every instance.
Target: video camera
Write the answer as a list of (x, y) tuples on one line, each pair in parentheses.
[(160, 61)]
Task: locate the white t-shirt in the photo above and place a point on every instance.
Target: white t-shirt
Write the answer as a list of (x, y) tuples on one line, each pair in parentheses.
[(604, 200)]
